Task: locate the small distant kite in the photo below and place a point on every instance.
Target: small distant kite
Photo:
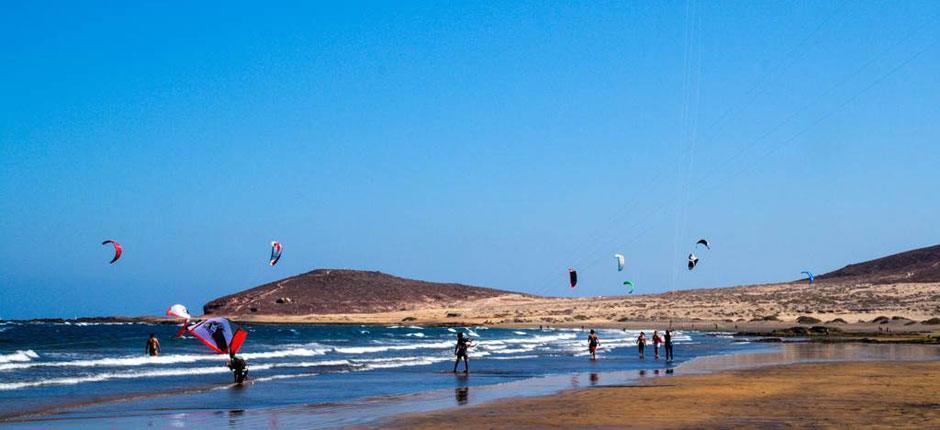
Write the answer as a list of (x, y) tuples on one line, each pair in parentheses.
[(630, 283), (809, 276), (117, 249), (572, 277), (703, 242), (620, 260), (275, 252), (693, 260)]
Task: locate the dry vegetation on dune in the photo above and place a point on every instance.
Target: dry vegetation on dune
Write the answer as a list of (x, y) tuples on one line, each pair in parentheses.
[(904, 288), (785, 302)]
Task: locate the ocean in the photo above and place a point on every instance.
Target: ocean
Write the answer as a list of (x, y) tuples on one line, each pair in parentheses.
[(97, 374)]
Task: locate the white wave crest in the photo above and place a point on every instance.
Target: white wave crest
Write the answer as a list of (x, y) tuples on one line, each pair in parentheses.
[(133, 361), (99, 377), (18, 356), (383, 348)]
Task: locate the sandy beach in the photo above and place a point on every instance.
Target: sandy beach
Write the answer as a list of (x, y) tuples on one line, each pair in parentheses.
[(831, 395)]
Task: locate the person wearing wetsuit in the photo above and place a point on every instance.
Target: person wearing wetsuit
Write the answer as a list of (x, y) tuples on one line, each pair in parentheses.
[(593, 341), (153, 346), (641, 343), (460, 350), (668, 344), (239, 368)]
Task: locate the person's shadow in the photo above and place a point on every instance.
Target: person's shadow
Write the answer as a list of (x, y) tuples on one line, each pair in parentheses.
[(462, 395)]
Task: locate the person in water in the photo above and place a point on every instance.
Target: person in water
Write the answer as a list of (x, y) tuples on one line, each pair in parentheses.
[(668, 344), (641, 343), (593, 342), (656, 341), (460, 350), (239, 368), (153, 345)]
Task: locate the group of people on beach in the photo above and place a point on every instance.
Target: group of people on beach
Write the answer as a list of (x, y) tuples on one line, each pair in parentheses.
[(665, 341), (658, 341)]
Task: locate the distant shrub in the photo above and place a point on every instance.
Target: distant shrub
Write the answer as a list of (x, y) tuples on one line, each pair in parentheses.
[(406, 319), (580, 317), (932, 321), (881, 320), (837, 321), (808, 320)]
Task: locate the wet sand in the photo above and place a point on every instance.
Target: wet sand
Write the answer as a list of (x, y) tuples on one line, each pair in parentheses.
[(817, 395)]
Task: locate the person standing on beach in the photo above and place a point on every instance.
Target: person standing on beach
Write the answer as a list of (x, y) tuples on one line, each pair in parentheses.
[(593, 342), (656, 341), (641, 343), (668, 345), (460, 350), (153, 345)]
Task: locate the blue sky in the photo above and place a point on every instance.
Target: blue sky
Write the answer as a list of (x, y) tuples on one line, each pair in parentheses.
[(490, 144)]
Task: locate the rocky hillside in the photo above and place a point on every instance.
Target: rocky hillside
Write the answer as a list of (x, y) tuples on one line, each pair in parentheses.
[(333, 291), (917, 266)]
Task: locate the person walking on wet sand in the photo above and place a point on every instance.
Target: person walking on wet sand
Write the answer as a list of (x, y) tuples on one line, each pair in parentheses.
[(641, 343), (153, 345), (668, 344), (460, 350), (593, 342), (656, 341)]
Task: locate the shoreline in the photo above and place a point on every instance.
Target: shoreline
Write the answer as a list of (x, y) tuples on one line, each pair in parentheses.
[(892, 331), (833, 394), (412, 409)]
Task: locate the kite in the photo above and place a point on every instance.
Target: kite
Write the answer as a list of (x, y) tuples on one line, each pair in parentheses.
[(810, 276), (703, 242), (275, 252), (572, 277), (178, 311), (219, 334), (619, 258), (630, 283), (117, 249), (693, 260)]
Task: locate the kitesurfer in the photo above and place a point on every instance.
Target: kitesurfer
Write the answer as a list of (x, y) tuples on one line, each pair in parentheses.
[(593, 342), (460, 350), (239, 368), (668, 344), (153, 345), (641, 343)]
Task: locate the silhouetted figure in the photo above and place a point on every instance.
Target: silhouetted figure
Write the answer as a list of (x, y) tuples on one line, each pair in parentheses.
[(593, 342), (641, 343), (239, 368), (460, 350), (668, 344)]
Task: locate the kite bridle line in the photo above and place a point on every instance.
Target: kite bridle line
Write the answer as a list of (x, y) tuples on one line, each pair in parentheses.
[(786, 142)]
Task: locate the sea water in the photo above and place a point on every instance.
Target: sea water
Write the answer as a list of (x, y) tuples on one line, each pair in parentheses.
[(97, 374)]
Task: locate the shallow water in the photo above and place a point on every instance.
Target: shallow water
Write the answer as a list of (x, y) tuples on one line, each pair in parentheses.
[(97, 375)]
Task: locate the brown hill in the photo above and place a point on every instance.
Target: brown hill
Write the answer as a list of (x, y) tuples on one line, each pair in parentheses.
[(332, 291), (916, 266)]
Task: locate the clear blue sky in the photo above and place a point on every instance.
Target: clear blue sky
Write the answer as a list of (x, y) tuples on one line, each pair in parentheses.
[(490, 144)]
